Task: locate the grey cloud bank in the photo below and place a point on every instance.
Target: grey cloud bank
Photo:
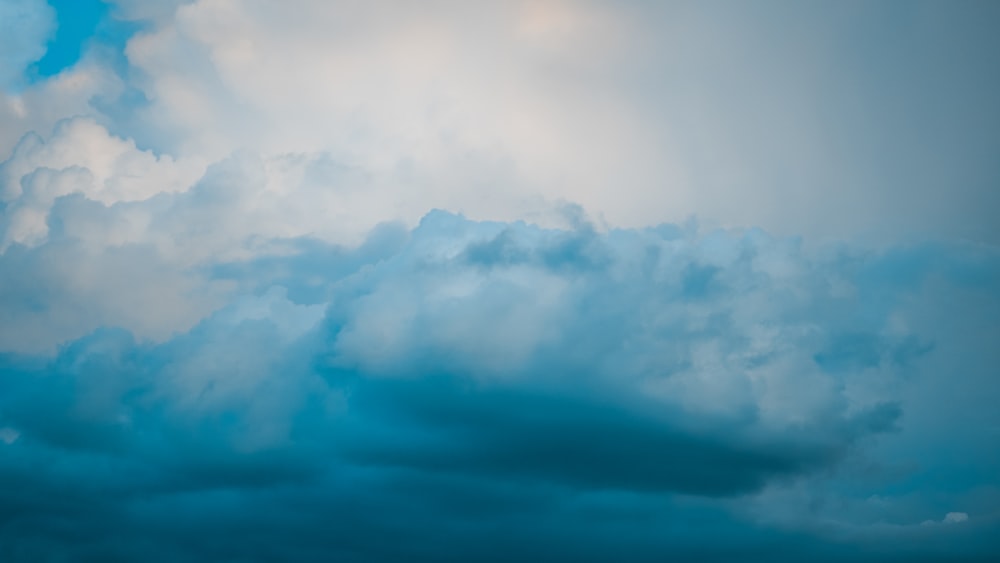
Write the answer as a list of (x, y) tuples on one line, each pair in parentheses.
[(585, 392)]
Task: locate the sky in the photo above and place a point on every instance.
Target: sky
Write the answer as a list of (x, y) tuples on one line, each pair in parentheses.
[(541, 280)]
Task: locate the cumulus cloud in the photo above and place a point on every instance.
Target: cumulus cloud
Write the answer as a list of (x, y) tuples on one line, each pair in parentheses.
[(279, 283), (490, 109), (462, 363), (80, 157)]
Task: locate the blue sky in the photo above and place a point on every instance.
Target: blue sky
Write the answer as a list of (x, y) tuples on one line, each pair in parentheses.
[(567, 281), (76, 24)]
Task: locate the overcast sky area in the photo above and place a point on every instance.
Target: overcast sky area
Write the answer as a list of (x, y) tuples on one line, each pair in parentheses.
[(539, 280)]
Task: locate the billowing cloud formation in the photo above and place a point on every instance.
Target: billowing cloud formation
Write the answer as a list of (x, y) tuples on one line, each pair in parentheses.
[(476, 373), (815, 120), (504, 281), (80, 157)]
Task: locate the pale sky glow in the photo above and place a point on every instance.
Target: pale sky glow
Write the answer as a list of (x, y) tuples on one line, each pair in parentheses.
[(516, 280)]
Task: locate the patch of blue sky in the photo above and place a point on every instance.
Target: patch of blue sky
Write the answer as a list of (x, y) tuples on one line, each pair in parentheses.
[(79, 23)]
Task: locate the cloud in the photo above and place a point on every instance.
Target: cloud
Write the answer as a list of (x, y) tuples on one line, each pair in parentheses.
[(498, 111), (491, 111), (80, 157), (486, 373), (349, 281), (955, 518), (8, 435)]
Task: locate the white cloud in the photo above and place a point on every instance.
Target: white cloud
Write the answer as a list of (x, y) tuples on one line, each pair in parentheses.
[(490, 110), (641, 113), (37, 108), (80, 157)]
